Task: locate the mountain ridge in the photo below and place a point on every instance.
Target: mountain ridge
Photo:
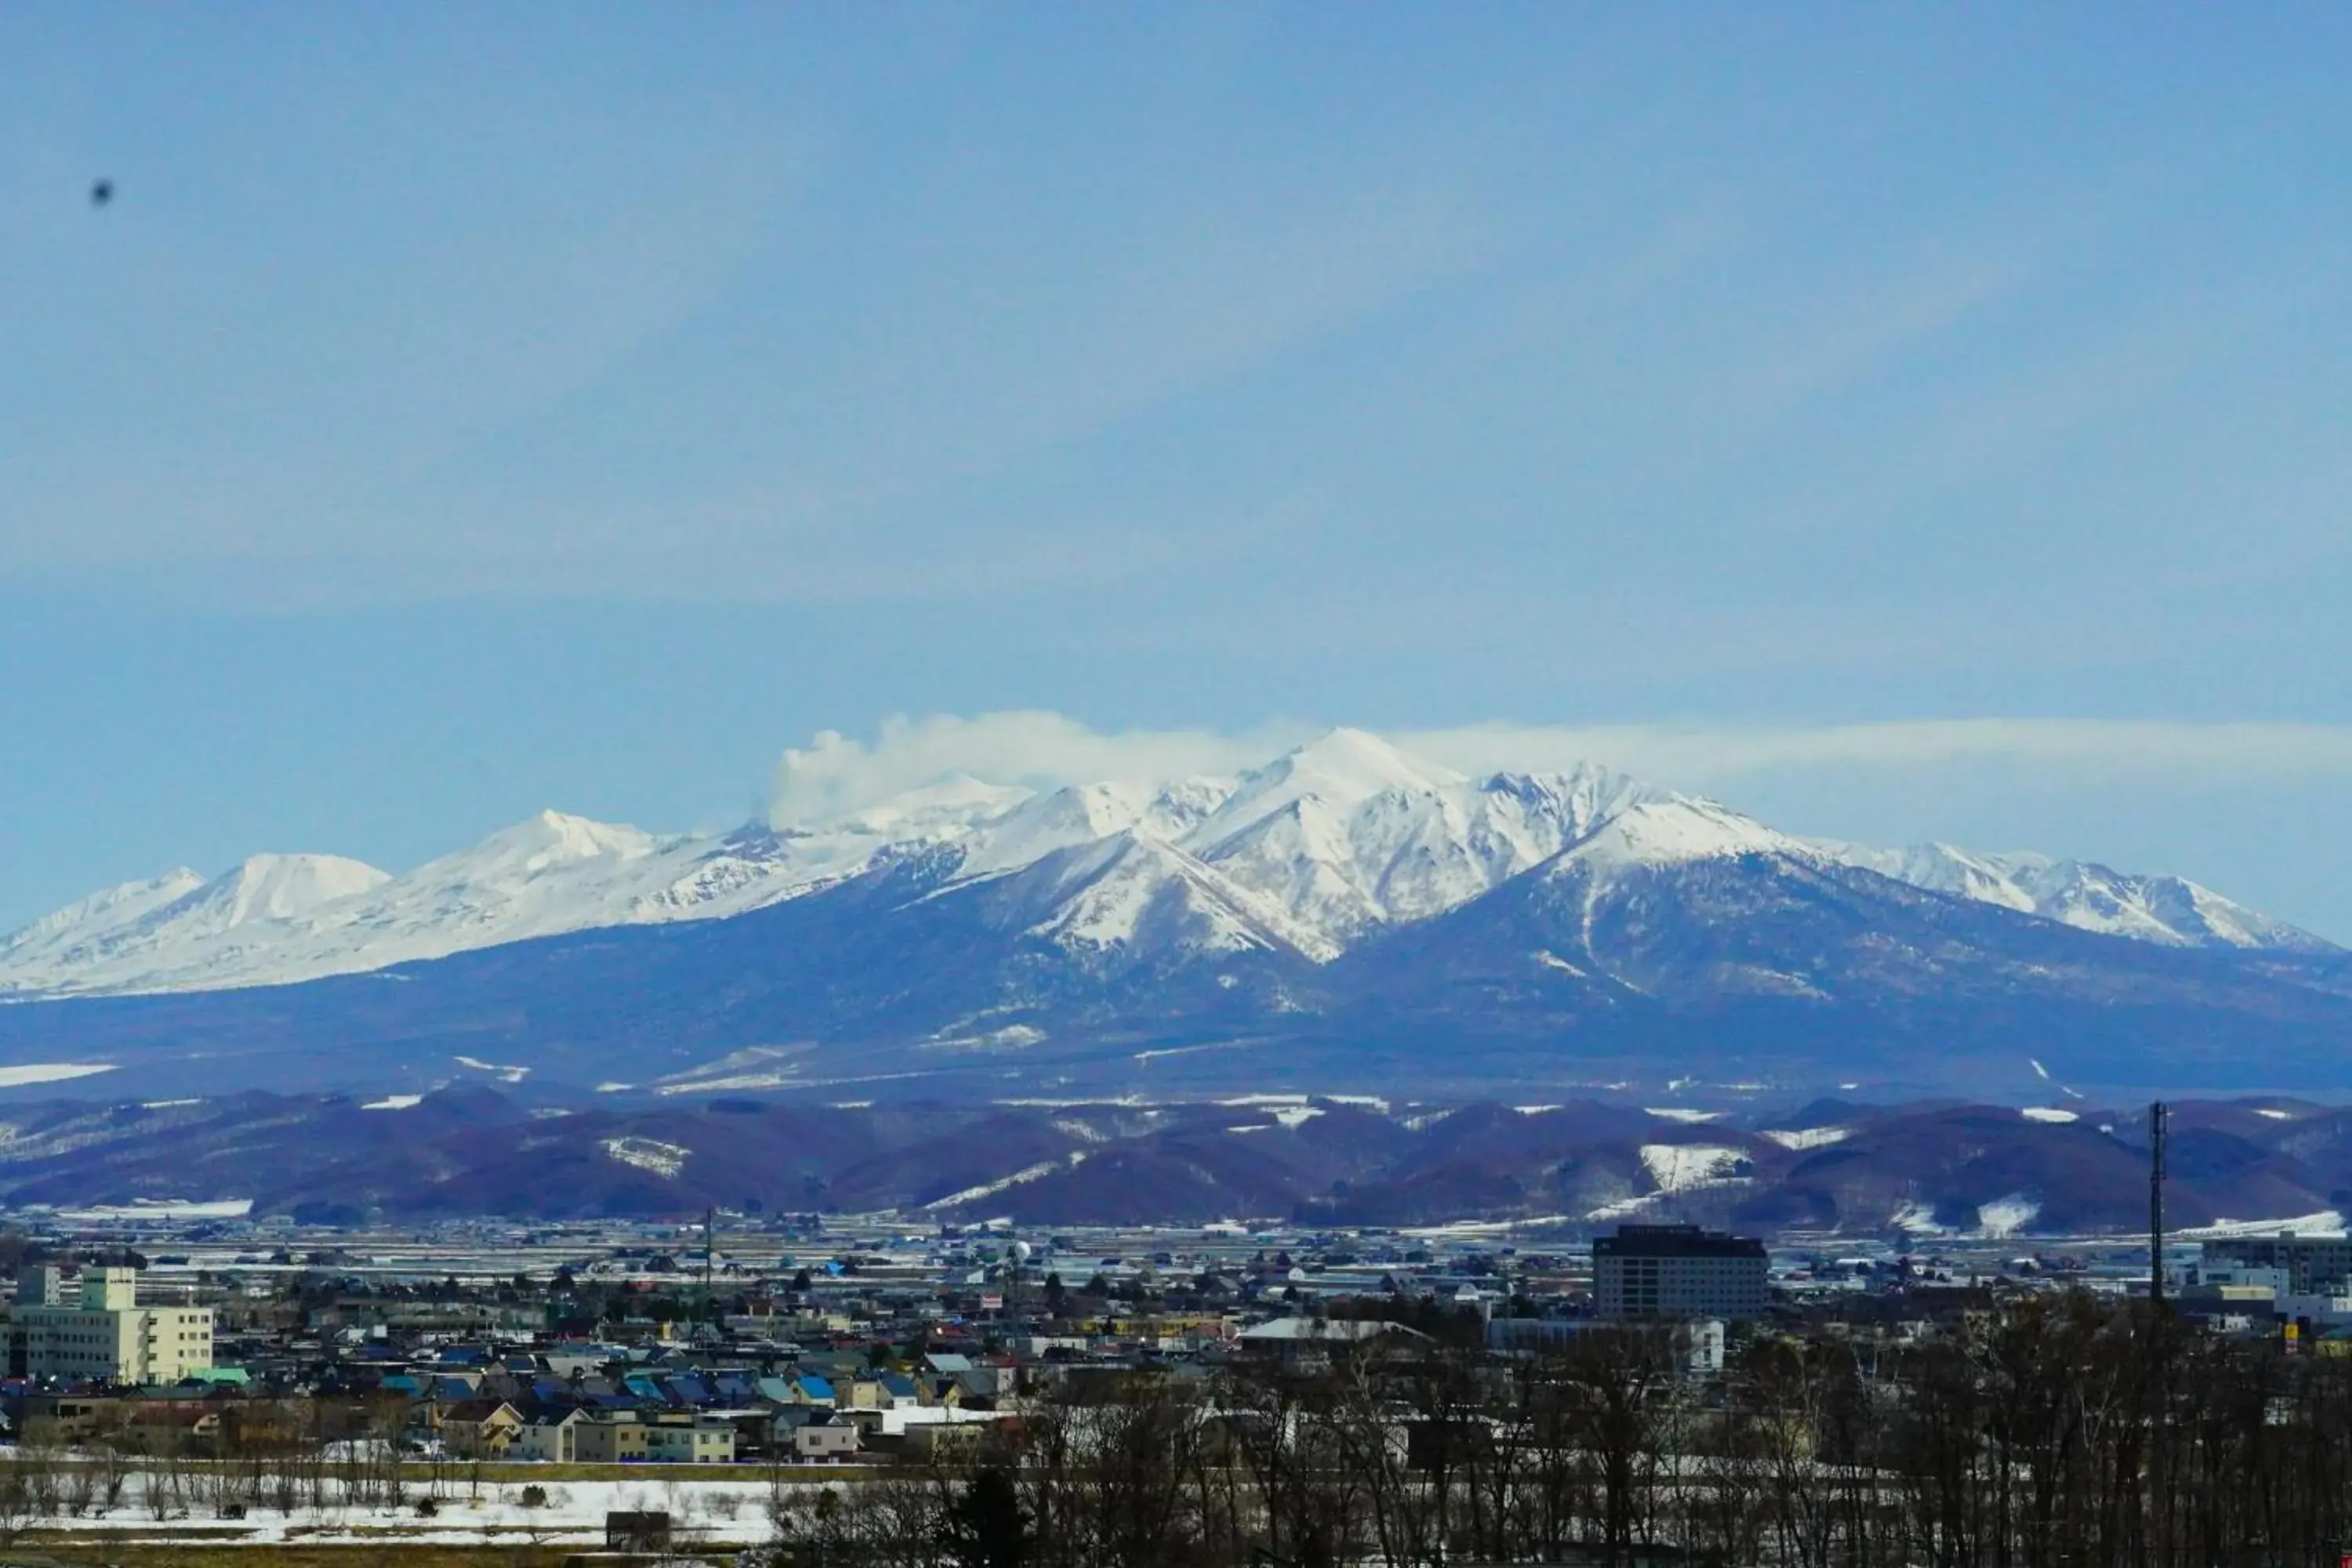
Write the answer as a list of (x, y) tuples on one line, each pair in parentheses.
[(1915, 1172), (1318, 850)]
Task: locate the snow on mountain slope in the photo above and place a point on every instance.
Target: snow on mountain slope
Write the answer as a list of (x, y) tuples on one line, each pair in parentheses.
[(272, 887), (280, 919), (2170, 911), (1338, 771), (1313, 851), (1671, 831), (83, 926), (1131, 892), (1084, 813), (1348, 834), (1940, 868), (134, 929), (2157, 909)]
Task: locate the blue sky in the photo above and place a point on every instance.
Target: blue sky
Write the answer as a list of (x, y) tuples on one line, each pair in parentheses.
[(476, 410)]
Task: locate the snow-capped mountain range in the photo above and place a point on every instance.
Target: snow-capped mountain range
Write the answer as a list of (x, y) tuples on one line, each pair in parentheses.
[(1310, 854)]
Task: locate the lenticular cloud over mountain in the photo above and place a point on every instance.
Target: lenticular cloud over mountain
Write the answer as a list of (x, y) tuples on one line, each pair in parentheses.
[(1115, 850)]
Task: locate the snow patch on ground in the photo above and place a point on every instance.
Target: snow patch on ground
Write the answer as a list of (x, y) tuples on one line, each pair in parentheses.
[(395, 1102), (485, 1520), (1807, 1137), (2326, 1222), (1678, 1167), (2049, 1113), (1043, 1168), (2007, 1215), (2270, 1114), (50, 1072), (1011, 1037), (1680, 1113), (783, 1077), (162, 1209), (505, 1073), (1915, 1218), (648, 1154)]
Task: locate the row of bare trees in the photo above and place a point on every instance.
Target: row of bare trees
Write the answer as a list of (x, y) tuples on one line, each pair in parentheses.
[(276, 1457), (2045, 1431)]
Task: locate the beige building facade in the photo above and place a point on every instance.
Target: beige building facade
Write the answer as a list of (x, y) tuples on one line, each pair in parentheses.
[(95, 1330)]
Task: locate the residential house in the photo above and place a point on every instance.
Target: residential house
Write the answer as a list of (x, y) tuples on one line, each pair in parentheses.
[(687, 1438), (479, 1429), (616, 1437), (555, 1438), (827, 1439), (170, 1427)]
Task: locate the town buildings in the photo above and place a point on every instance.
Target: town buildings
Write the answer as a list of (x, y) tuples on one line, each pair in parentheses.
[(1678, 1271), (2311, 1265), (96, 1329)]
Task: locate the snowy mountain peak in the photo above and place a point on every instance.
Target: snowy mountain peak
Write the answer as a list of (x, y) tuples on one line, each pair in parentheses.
[(1357, 764), (1350, 765), (1334, 773), (1312, 852), (1670, 831), (283, 887), (551, 838), (137, 929), (1586, 793), (2170, 911)]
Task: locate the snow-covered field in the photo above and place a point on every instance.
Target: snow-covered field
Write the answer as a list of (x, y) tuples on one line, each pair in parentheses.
[(50, 1072), (716, 1512), (2326, 1222), (1679, 1167)]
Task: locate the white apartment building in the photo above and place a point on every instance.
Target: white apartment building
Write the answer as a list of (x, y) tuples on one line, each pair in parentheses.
[(103, 1333)]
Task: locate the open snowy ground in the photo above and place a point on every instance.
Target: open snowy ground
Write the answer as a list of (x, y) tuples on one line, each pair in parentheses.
[(704, 1511)]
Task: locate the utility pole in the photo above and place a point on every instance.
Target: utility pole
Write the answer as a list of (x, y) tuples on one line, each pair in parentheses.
[(2159, 1524), (709, 1217), (2159, 1115)]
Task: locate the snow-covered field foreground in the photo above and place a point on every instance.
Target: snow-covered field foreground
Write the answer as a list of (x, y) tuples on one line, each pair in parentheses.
[(719, 1512)]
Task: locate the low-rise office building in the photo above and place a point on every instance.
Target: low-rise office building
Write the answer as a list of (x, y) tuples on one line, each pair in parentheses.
[(2307, 1265), (94, 1330)]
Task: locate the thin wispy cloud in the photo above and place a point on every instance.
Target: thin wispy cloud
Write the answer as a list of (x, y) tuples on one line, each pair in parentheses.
[(834, 773)]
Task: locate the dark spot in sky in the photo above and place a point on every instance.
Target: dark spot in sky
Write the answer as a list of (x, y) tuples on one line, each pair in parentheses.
[(100, 192)]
